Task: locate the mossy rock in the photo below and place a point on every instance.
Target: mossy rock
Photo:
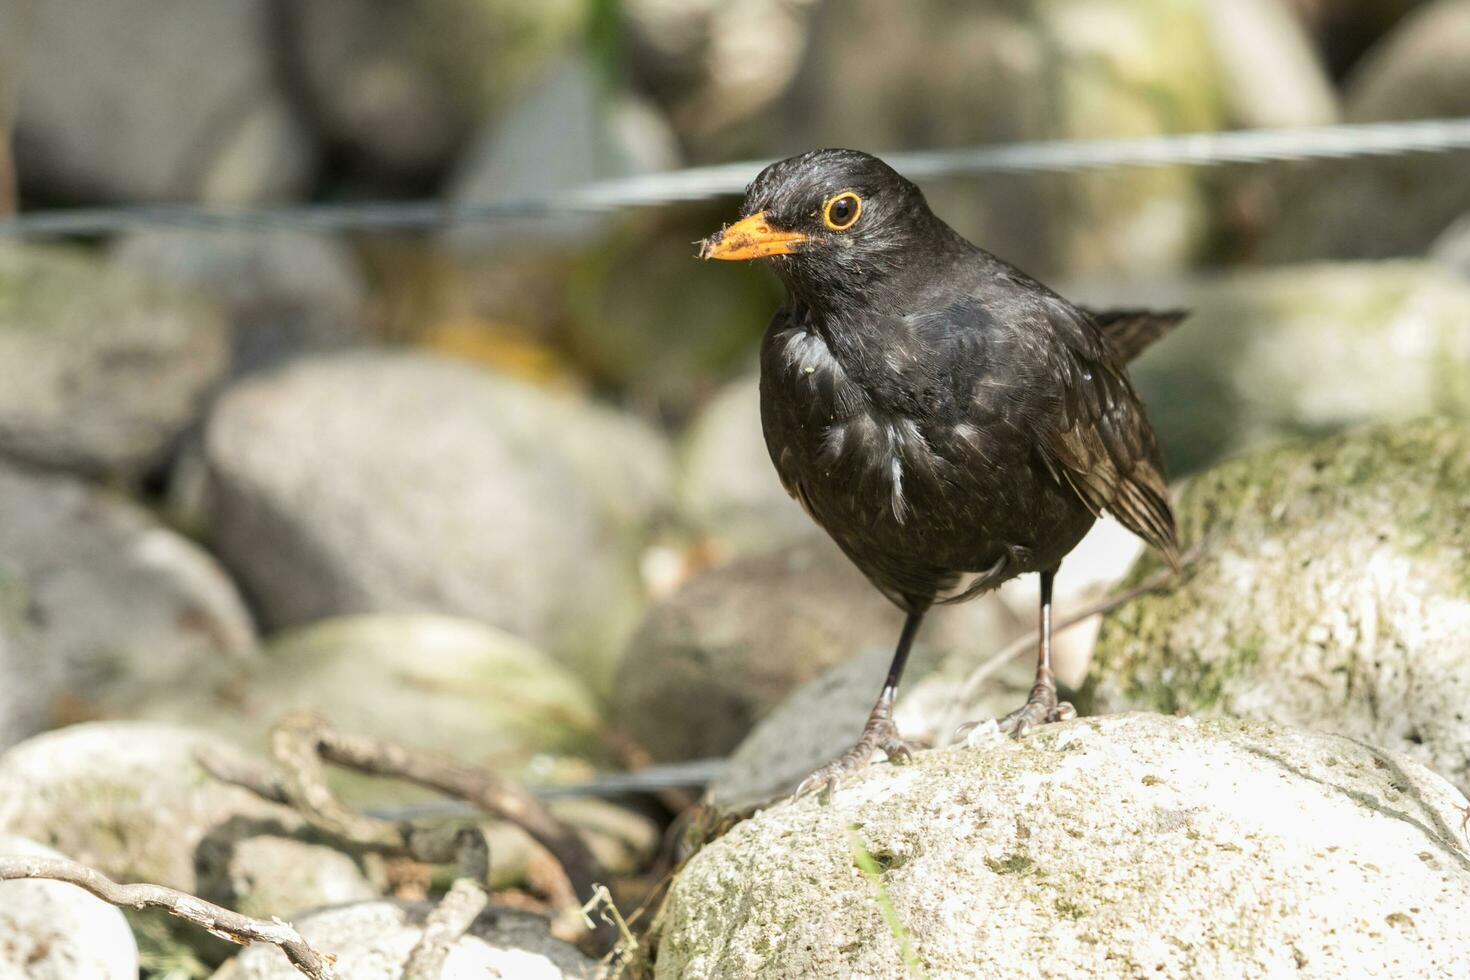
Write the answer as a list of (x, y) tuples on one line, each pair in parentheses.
[(1333, 592), (1102, 847), (100, 371)]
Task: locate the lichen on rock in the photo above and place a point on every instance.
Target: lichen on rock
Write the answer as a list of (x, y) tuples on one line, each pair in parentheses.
[(1106, 847), (1333, 592)]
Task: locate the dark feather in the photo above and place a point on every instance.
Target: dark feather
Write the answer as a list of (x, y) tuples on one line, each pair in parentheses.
[(1131, 332)]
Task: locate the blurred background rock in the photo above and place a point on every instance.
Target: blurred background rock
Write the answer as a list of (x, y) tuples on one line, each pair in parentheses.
[(500, 488)]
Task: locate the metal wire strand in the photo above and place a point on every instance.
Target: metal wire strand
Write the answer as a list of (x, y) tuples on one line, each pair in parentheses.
[(1246, 146)]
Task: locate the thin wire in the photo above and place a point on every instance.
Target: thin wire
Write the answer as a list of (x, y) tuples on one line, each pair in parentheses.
[(1246, 146)]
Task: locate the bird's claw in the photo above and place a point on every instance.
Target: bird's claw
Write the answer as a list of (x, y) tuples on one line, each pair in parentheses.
[(1042, 708), (879, 734)]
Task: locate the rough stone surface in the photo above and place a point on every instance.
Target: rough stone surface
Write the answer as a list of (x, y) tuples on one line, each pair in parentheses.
[(372, 941), (1305, 350), (120, 607), (728, 489), (182, 104), (449, 490), (400, 85), (1333, 592), (54, 931), (1395, 206), (129, 799), (284, 291), (99, 371), (449, 685), (1112, 847)]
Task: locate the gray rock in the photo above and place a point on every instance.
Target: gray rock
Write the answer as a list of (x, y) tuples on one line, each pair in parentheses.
[(561, 131), (1333, 592), (952, 675), (372, 941), (130, 799), (1344, 29), (1394, 206), (118, 606), (54, 931), (998, 72), (1452, 249), (402, 483), (27, 679), (184, 103), (284, 291), (1271, 73), (710, 660), (401, 85), (450, 685), (728, 489), (1302, 351), (825, 716), (717, 68), (1112, 847), (99, 372)]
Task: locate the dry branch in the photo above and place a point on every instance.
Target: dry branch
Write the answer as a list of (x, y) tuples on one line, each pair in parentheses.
[(302, 744), (217, 921)]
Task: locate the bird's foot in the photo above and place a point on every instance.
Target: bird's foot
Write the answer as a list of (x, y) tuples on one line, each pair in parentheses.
[(1041, 708), (879, 733)]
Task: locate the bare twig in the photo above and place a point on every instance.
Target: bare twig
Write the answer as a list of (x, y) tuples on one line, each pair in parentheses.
[(457, 911), (217, 921), (965, 695), (300, 744)]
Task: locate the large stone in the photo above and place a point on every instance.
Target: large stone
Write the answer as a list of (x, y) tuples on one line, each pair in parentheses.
[(284, 291), (99, 371), (400, 85), (1271, 76), (1345, 29), (956, 674), (27, 678), (119, 607), (449, 490), (1452, 249), (183, 103), (1113, 847), (372, 941), (728, 490), (50, 930), (561, 132), (453, 686), (1300, 351), (1001, 72), (727, 648), (716, 67), (131, 800), (714, 657), (1392, 206), (1333, 591)]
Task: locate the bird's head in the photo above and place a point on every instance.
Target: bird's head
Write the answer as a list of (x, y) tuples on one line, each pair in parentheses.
[(830, 222)]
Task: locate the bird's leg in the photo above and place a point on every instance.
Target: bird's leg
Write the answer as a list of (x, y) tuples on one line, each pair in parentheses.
[(879, 732), (1042, 707)]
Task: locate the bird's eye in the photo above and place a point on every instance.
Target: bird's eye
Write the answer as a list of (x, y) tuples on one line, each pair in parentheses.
[(842, 210)]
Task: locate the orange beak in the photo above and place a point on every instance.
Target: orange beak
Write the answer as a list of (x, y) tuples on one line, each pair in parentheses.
[(750, 238)]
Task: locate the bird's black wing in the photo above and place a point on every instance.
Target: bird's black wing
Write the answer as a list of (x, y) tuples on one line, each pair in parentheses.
[(1100, 437), (1130, 332)]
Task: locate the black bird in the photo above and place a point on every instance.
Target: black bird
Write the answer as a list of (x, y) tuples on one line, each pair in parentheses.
[(950, 421)]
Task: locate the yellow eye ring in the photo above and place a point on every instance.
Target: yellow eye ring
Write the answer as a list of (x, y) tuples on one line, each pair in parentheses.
[(842, 210)]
